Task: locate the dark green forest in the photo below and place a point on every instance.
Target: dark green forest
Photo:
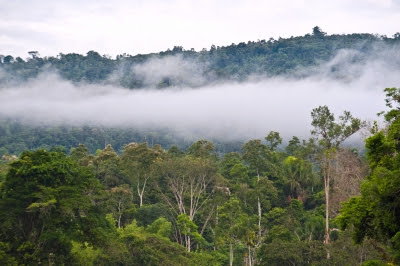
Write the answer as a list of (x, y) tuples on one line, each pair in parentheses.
[(236, 62), (259, 206), (16, 137), (97, 195)]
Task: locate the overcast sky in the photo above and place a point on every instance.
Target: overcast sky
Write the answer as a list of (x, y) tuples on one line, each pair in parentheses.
[(136, 26)]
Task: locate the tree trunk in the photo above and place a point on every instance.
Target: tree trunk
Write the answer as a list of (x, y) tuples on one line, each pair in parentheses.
[(141, 191), (188, 243), (119, 214), (259, 216), (249, 256), (230, 254), (327, 240), (326, 186), (327, 179), (259, 209)]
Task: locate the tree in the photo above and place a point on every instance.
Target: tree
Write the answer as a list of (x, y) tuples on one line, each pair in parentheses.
[(188, 229), (299, 175), (228, 161), (188, 185), (201, 148), (273, 139), (317, 32), (81, 155), (350, 170), (293, 146), (48, 201), (376, 213), (121, 199), (8, 59), (34, 54), (161, 227), (138, 163), (239, 174), (330, 135), (231, 225), (261, 160), (106, 167)]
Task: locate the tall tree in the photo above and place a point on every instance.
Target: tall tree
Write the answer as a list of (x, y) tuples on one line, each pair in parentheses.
[(330, 135), (261, 160), (231, 223), (188, 184), (273, 139), (107, 168), (121, 199), (138, 163)]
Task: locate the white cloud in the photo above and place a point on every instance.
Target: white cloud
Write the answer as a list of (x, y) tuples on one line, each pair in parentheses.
[(228, 111)]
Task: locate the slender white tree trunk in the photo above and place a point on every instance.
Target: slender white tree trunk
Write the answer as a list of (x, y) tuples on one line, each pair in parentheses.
[(259, 209), (259, 217), (230, 254), (141, 191), (326, 240), (327, 179), (250, 259), (188, 243)]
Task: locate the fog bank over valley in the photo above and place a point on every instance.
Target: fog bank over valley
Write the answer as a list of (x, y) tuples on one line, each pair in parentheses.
[(226, 110)]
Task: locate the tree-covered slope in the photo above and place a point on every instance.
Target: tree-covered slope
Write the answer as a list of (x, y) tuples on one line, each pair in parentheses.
[(180, 67)]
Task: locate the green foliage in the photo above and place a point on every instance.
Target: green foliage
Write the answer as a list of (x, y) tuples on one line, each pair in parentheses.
[(106, 165), (16, 137), (376, 213), (234, 62), (260, 158), (375, 263), (5, 257), (84, 254), (161, 227), (332, 133), (147, 214), (293, 146), (262, 206), (45, 204), (188, 228), (227, 162), (239, 174), (81, 155), (280, 252), (64, 186), (299, 177), (273, 139), (201, 148)]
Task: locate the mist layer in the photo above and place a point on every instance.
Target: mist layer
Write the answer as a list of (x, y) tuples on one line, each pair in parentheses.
[(227, 111)]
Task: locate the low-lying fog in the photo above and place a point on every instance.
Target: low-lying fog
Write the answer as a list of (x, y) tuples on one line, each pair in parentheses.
[(227, 111)]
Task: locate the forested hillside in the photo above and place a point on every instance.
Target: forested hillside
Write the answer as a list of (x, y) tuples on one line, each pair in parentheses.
[(189, 68)]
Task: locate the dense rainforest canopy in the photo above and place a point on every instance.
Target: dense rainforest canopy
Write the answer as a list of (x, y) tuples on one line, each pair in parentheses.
[(258, 206)]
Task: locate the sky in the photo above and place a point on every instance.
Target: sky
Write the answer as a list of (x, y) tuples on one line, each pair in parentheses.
[(144, 26)]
